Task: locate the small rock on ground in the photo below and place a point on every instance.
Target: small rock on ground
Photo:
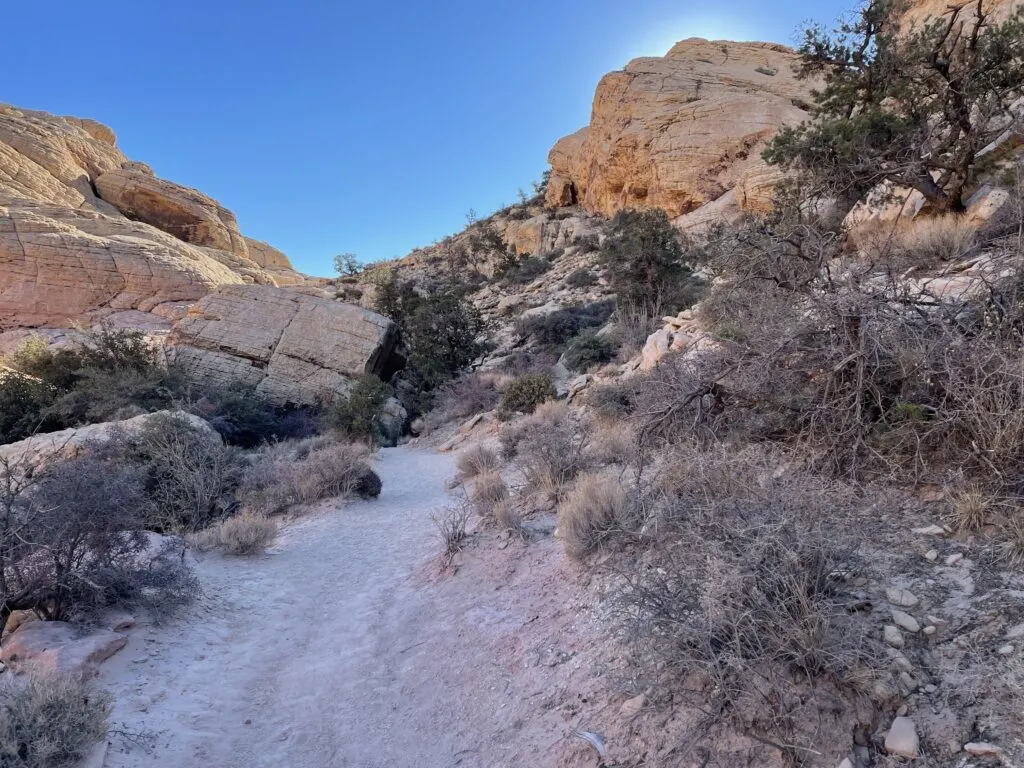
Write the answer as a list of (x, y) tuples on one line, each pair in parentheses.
[(901, 597), (982, 749), (893, 637), (902, 738), (905, 621)]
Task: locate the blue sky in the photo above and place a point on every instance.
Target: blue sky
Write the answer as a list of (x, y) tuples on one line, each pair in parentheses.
[(369, 128)]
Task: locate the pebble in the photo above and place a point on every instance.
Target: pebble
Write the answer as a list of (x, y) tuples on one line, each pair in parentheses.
[(893, 637), (632, 707), (905, 621), (901, 597), (931, 530), (932, 555), (930, 688), (954, 559), (902, 711), (902, 738), (1005, 650), (847, 763), (930, 630)]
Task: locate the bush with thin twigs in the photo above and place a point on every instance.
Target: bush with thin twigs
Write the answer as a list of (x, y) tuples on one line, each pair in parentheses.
[(466, 396), (507, 518), (581, 278), (586, 350), (526, 392), (595, 509), (50, 722), (477, 460), (285, 475), (451, 527), (554, 329), (613, 443), (1011, 533), (935, 239), (245, 534), (744, 586), (487, 492), (549, 452)]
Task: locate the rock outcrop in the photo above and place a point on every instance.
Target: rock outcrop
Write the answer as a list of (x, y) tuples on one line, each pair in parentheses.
[(682, 131), (85, 232), (289, 347)]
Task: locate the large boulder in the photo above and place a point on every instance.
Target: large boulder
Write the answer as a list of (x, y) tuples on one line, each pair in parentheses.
[(85, 232), (681, 131), (57, 648), (292, 348)]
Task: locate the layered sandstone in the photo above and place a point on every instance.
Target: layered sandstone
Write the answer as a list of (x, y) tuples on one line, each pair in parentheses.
[(86, 233), (681, 131), (288, 347)]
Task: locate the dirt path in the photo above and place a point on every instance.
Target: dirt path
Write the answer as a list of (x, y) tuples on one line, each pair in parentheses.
[(343, 647)]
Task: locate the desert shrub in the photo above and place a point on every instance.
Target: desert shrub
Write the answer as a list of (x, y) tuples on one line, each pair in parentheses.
[(588, 243), (50, 722), (612, 442), (244, 418), (588, 349), (451, 527), (357, 413), (286, 474), (72, 540), (581, 278), (460, 398), (102, 376), (615, 401), (745, 584), (477, 460), (649, 265), (190, 475), (939, 238), (970, 508), (595, 509), (549, 451), (517, 271), (555, 329), (244, 534), (526, 392), (634, 323), (487, 492)]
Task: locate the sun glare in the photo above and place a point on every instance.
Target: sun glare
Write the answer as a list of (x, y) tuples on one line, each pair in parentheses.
[(658, 41)]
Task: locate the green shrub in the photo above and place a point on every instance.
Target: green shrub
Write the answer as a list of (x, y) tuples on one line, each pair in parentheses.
[(527, 392), (518, 271), (588, 349), (244, 418), (50, 722), (357, 414), (554, 329), (581, 278)]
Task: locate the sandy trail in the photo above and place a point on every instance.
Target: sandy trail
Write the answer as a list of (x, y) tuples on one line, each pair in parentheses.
[(322, 653)]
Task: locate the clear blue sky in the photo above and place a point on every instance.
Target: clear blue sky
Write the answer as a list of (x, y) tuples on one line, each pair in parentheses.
[(336, 126)]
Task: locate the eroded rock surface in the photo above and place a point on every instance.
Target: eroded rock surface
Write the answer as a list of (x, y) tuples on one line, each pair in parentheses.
[(290, 347), (681, 131)]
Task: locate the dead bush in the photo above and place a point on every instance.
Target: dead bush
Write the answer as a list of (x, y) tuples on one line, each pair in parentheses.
[(451, 527), (288, 474), (245, 534), (488, 491), (507, 518), (741, 601), (970, 508), (50, 722), (939, 238), (548, 448), (596, 509), (463, 397), (613, 443), (477, 460)]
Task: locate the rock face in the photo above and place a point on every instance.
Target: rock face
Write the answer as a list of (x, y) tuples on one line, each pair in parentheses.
[(290, 347), (85, 232), (681, 131)]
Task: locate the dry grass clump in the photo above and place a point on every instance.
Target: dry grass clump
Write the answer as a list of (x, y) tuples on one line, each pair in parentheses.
[(451, 527), (939, 238), (477, 460), (969, 508), (50, 722), (597, 507), (246, 534), (507, 518), (1012, 535), (463, 397), (613, 443), (285, 475), (488, 491)]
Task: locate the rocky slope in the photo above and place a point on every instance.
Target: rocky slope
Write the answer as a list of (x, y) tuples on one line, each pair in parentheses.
[(86, 233), (682, 131)]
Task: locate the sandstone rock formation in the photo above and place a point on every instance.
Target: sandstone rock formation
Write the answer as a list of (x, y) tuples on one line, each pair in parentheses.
[(85, 232), (59, 648), (289, 347), (681, 131)]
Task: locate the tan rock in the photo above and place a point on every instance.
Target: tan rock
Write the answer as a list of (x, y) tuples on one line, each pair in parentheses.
[(186, 213), (57, 648), (681, 131), (290, 347), (902, 738)]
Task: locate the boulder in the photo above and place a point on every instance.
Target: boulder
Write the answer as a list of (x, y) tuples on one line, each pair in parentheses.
[(290, 347), (681, 131), (55, 647)]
